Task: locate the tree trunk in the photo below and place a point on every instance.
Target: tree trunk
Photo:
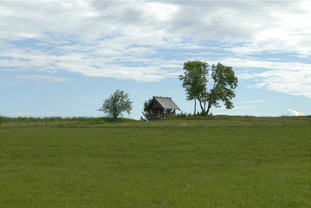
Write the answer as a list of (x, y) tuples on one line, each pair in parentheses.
[(203, 110), (208, 108), (114, 114), (210, 101)]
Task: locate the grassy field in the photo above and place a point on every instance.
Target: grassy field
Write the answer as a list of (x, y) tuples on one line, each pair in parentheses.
[(217, 161)]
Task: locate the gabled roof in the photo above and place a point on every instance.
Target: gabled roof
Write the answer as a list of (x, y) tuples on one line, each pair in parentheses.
[(166, 102)]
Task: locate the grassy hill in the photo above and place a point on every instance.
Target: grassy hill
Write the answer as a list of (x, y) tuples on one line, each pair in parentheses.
[(219, 161)]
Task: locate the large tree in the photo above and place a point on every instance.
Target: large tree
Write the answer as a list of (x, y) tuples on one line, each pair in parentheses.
[(195, 78), (224, 84), (116, 104)]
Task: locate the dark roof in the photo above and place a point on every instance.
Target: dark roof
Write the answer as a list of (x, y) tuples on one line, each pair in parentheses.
[(166, 102)]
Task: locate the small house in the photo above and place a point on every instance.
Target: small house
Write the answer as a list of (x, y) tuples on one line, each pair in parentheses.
[(161, 107)]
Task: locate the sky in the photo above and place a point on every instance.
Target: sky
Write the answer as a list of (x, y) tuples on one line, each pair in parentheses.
[(63, 58)]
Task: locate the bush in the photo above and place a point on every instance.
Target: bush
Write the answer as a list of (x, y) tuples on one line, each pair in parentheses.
[(181, 115)]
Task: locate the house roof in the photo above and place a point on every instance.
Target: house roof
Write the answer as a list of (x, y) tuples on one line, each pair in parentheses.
[(166, 102)]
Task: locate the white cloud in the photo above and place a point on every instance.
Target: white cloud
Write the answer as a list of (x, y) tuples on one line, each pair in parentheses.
[(267, 25), (161, 11), (287, 77), (286, 81), (122, 39), (292, 112), (41, 78)]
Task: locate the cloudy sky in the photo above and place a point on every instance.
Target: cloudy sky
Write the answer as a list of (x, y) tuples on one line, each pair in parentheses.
[(62, 58)]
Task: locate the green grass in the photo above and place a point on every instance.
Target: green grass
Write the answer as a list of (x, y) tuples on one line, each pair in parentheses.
[(217, 161)]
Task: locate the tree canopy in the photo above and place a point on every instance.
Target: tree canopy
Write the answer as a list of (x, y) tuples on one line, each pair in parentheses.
[(195, 79), (116, 104)]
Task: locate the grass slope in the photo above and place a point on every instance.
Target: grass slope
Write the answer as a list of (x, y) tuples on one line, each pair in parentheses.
[(216, 162)]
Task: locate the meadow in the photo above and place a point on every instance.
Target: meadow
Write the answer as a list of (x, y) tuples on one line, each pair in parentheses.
[(215, 161)]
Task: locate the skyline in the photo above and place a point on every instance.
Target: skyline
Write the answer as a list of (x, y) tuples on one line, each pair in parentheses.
[(62, 58)]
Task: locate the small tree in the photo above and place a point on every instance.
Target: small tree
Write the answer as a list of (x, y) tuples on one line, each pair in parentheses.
[(148, 115), (116, 104)]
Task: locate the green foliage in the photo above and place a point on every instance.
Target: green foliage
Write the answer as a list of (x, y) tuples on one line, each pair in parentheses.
[(148, 114), (116, 104), (194, 81), (226, 162), (180, 115), (194, 78), (224, 83)]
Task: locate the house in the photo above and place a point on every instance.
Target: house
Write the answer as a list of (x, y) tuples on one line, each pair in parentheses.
[(161, 107)]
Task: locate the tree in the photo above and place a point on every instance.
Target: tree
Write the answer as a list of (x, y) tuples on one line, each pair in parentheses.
[(148, 115), (194, 81), (195, 78), (116, 104), (225, 82)]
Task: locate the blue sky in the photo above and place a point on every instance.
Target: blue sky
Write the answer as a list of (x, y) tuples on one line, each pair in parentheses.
[(62, 58)]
